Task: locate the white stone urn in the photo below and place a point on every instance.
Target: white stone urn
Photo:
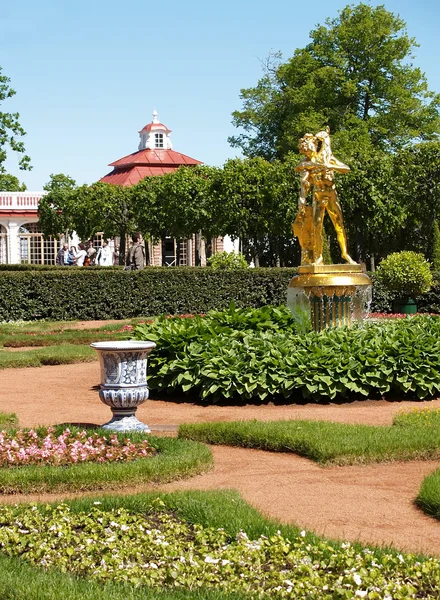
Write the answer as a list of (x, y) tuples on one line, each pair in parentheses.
[(124, 381)]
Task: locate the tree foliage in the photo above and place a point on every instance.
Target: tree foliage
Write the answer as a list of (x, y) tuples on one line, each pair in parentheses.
[(10, 183), (10, 129), (355, 76)]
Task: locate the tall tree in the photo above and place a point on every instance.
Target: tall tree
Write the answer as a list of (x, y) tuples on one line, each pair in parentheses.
[(356, 76), (255, 200), (56, 214), (87, 210), (10, 183), (175, 205), (10, 129)]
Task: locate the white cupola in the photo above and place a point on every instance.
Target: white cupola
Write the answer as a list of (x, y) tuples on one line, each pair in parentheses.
[(155, 136)]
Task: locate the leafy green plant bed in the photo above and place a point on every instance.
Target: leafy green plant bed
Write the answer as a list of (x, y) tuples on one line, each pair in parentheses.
[(258, 355), (325, 442), (192, 545), (172, 459)]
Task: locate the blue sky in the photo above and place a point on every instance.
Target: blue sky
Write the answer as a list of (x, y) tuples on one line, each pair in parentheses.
[(88, 74)]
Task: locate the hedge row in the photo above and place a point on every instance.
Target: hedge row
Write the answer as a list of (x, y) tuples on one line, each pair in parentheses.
[(59, 293), (115, 294)]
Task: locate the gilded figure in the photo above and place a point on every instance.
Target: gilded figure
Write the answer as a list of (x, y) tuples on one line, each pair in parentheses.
[(316, 171)]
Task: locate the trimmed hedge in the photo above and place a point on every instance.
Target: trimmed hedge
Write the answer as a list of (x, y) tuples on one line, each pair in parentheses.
[(32, 267), (104, 293), (30, 292)]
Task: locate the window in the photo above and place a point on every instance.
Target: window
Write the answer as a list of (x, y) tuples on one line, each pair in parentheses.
[(3, 246), (158, 140), (97, 240), (34, 249)]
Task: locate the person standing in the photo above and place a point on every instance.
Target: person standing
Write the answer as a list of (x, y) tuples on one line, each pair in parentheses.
[(135, 259), (62, 256), (81, 255), (71, 257), (104, 258), (116, 256), (91, 254)]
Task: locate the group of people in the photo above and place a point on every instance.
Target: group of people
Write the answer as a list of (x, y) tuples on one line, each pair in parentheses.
[(104, 256), (85, 256)]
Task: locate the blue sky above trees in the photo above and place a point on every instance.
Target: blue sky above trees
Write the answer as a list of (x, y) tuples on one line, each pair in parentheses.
[(89, 74)]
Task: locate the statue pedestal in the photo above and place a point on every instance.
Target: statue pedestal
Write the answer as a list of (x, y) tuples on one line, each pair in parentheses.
[(330, 295)]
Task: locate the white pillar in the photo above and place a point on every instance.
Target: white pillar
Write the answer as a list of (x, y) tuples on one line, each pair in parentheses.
[(13, 243)]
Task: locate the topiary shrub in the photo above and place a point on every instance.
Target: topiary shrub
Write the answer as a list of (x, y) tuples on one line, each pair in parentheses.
[(227, 260), (407, 274)]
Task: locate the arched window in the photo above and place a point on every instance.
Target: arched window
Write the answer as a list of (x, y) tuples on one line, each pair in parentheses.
[(158, 140), (34, 249), (3, 245)]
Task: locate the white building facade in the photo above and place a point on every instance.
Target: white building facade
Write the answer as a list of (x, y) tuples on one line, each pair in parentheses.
[(21, 239)]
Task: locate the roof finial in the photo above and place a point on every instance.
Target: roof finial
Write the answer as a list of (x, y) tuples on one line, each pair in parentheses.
[(155, 119)]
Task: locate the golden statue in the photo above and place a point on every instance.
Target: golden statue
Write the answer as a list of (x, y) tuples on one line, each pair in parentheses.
[(317, 174)]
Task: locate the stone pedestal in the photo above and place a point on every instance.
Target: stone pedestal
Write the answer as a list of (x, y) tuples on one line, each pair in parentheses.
[(332, 295)]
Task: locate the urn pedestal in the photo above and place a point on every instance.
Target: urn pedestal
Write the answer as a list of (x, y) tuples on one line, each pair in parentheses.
[(329, 295), (124, 381)]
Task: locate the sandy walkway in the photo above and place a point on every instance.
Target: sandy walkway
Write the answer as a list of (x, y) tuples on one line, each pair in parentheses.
[(372, 503)]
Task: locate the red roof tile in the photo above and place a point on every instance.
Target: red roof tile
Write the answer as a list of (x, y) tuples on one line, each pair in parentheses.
[(159, 126), (132, 175), (155, 157)]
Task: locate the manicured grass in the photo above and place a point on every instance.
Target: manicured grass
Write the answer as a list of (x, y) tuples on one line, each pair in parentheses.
[(314, 567), (428, 498), (322, 441), (54, 355), (175, 459), (8, 421), (55, 343)]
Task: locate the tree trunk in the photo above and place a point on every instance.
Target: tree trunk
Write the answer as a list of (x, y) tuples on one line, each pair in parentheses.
[(122, 245), (147, 253), (163, 250), (372, 263), (199, 250)]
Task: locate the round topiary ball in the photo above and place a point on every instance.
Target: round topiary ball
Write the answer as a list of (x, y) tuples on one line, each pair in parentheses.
[(407, 274)]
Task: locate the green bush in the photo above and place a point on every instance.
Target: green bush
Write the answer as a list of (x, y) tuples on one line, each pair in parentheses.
[(382, 298), (406, 273), (69, 293), (105, 293), (33, 267), (218, 363), (227, 260)]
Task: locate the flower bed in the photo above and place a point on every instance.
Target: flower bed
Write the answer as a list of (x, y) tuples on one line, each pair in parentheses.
[(60, 459), (27, 447), (160, 549)]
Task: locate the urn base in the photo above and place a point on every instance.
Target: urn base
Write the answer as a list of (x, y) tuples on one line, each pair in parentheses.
[(121, 423)]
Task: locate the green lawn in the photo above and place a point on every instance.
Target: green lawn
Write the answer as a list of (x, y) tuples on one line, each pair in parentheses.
[(323, 441)]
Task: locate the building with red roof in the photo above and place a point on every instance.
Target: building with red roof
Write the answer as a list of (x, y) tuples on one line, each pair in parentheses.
[(155, 156)]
